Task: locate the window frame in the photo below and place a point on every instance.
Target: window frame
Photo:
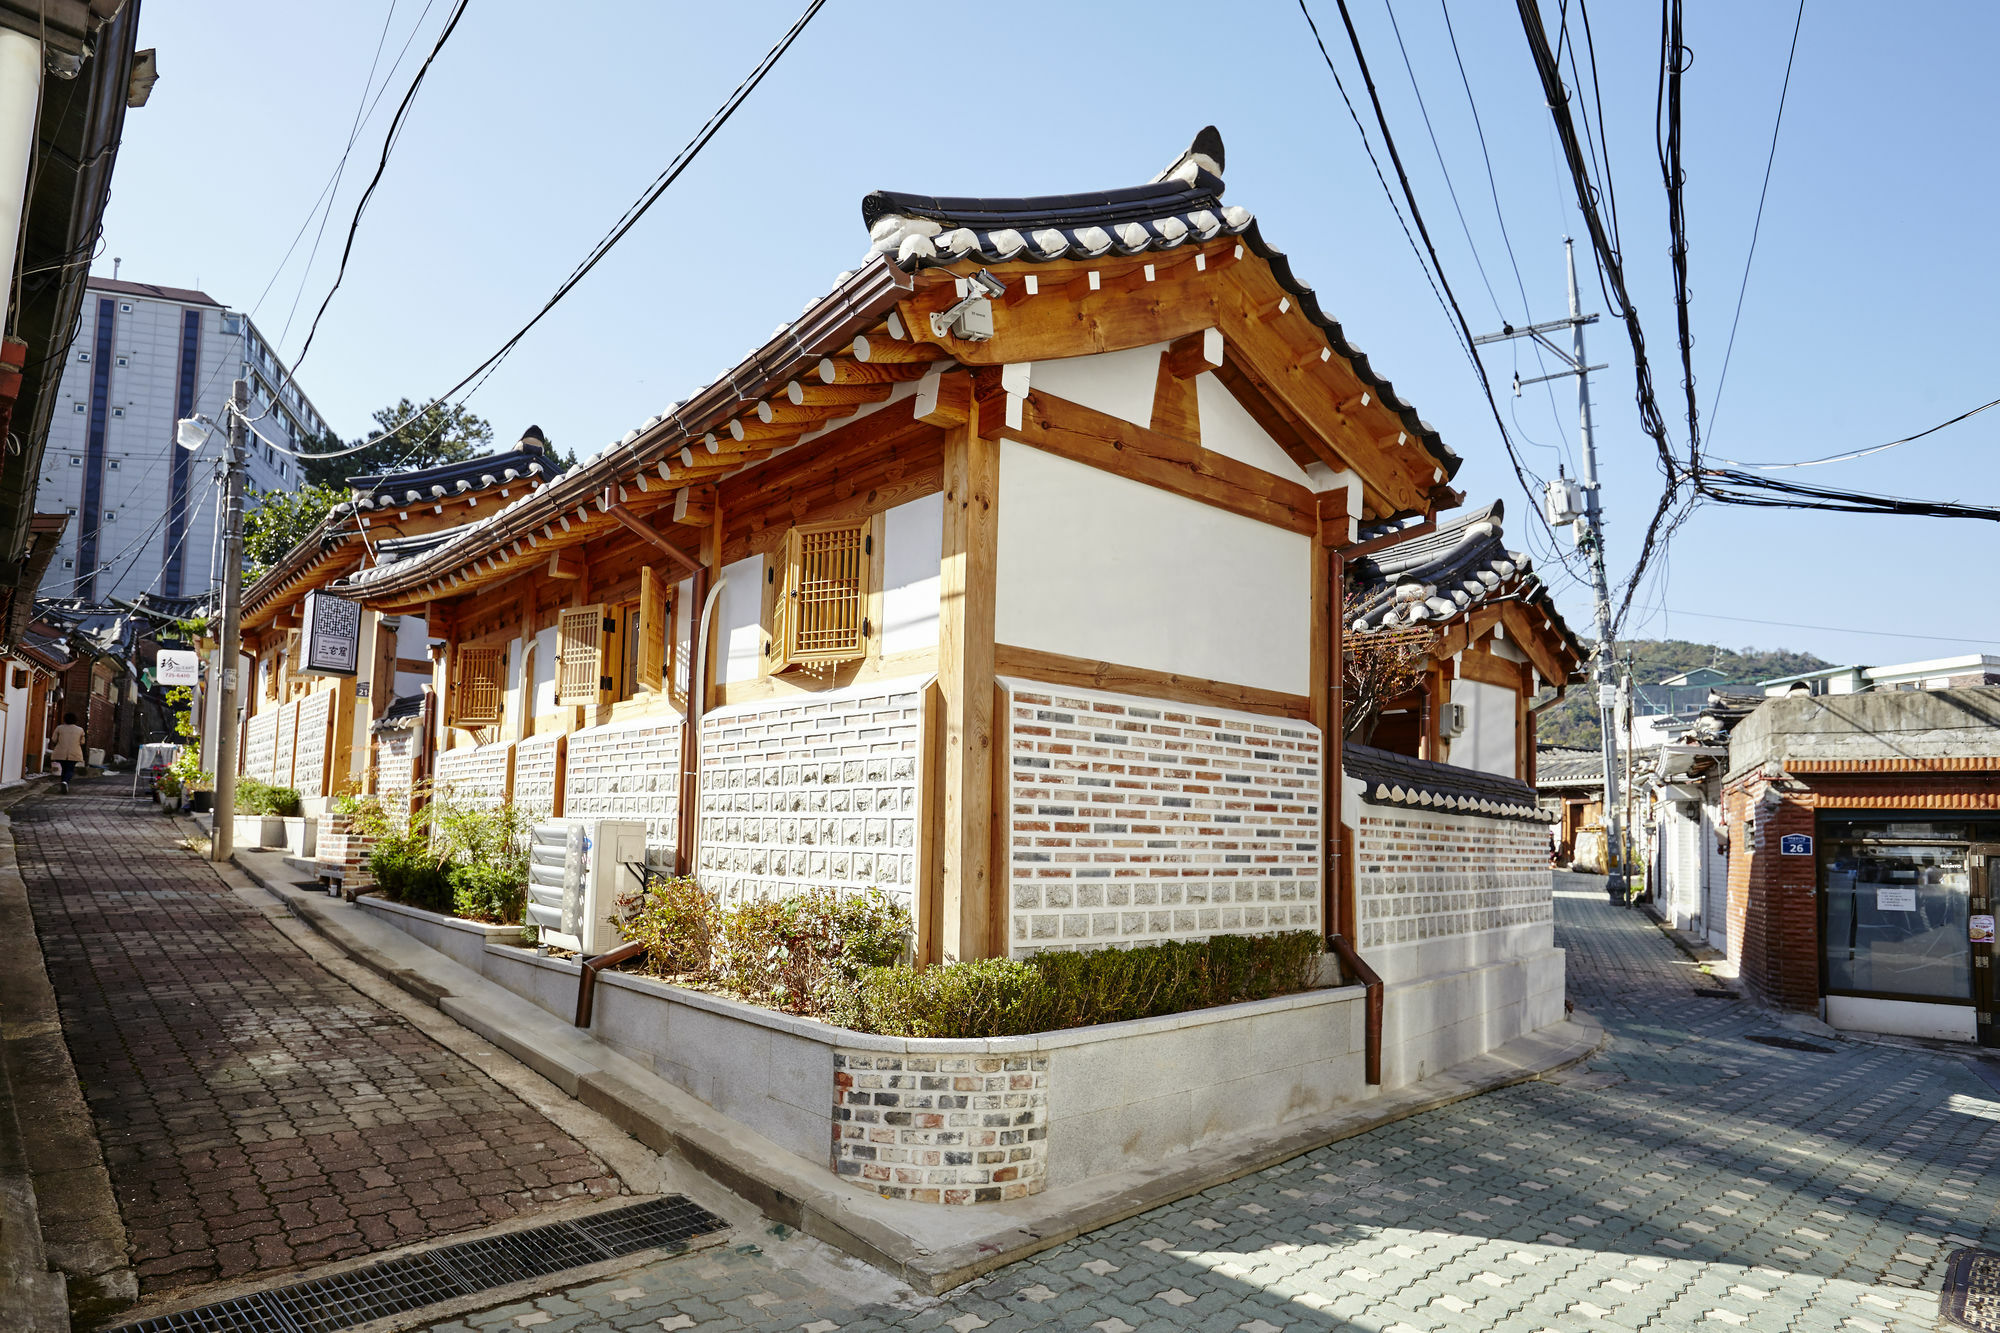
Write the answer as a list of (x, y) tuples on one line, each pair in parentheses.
[(786, 570)]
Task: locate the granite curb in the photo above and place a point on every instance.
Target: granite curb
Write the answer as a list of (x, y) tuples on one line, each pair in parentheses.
[(934, 1249)]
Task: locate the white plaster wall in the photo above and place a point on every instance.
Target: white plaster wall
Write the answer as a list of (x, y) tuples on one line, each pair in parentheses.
[(1096, 566), (739, 618), (1228, 429), (912, 544), (13, 737), (1117, 383), (1487, 743)]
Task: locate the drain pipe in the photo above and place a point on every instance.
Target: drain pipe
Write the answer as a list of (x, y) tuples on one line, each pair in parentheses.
[(1367, 976), (586, 983)]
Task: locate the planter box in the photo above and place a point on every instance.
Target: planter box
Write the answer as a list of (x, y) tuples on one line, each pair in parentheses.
[(460, 940), (959, 1122)]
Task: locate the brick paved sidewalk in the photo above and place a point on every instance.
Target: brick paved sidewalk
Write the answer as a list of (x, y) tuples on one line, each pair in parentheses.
[(257, 1113), (1687, 1178)]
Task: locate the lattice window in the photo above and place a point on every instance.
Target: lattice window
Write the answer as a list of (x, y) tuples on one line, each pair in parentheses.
[(580, 635), (478, 687), (822, 614)]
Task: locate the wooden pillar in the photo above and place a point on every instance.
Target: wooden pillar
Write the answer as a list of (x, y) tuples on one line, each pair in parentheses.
[(971, 905), (1327, 706), (687, 810)]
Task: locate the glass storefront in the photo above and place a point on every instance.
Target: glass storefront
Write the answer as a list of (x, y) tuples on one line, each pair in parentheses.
[(1896, 902)]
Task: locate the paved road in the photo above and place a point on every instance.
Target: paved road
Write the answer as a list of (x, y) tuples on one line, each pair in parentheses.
[(1688, 1177), (257, 1113)]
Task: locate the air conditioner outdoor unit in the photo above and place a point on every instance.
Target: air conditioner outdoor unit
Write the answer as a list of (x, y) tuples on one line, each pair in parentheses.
[(576, 870), (1455, 721)]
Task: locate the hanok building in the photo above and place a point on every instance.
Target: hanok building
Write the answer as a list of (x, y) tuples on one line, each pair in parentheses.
[(1005, 578)]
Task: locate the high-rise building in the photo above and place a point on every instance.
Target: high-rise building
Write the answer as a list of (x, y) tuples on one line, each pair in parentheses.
[(144, 512)]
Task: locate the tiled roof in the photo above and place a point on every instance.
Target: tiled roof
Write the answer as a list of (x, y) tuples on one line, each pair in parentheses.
[(1182, 206), (1434, 577), (406, 712), (482, 472), (1398, 780), (1560, 766)]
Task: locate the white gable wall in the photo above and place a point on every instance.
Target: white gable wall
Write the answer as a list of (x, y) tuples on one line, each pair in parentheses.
[(1097, 566), (1228, 428), (912, 537), (1117, 383), (1487, 743)]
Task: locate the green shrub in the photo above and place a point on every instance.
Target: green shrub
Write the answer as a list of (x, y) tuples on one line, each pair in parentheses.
[(482, 892), (260, 798), (1052, 991), (676, 919)]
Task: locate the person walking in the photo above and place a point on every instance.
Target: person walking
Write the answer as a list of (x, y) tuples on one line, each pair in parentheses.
[(68, 752)]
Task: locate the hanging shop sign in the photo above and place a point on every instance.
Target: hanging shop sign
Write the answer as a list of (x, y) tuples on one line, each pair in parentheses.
[(331, 636), (177, 666)]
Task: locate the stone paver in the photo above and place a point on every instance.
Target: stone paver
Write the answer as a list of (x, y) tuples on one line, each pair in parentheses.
[(1687, 1178), (257, 1113)]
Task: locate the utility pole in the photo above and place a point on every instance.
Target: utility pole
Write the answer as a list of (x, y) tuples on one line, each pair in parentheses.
[(222, 835), (1590, 536)]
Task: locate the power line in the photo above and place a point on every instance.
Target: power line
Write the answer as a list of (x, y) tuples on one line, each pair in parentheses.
[(1674, 61), (1831, 629), (381, 165), (1853, 454), (1722, 380)]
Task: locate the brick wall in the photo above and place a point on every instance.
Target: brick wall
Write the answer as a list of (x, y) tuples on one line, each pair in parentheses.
[(537, 760), (339, 845), (1432, 875), (1135, 821), (942, 1129), (1773, 910), (315, 726), (477, 775), (814, 791), (627, 770)]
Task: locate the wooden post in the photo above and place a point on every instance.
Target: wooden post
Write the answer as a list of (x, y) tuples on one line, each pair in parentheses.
[(690, 784), (965, 681)]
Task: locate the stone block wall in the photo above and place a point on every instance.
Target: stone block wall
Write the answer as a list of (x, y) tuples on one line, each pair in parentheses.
[(942, 1129), (478, 775), (627, 770), (396, 766), (1135, 820), (537, 765), (285, 748), (1438, 891), (309, 755), (812, 792), (260, 745)]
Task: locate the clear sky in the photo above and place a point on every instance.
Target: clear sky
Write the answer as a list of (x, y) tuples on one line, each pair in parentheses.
[(1868, 313)]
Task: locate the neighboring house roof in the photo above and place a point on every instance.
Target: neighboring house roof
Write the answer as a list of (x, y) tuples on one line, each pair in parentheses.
[(1821, 674), (182, 295), (1183, 203), (1434, 579), (1561, 766), (406, 712), (1399, 780), (482, 472)]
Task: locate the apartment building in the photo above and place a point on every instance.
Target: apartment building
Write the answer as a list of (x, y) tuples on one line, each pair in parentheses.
[(143, 512)]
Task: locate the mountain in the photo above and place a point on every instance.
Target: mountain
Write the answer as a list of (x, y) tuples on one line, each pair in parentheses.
[(1574, 720)]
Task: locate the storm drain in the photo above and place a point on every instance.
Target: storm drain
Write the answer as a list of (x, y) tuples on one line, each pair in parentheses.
[(1789, 1044), (1717, 994), (396, 1286)]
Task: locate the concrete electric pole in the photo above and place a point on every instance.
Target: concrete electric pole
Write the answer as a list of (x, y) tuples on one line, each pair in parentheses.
[(1565, 505), (222, 836)]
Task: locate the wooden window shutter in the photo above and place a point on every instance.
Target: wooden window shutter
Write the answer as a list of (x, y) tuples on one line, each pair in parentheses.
[(826, 594), (477, 687), (651, 628), (580, 655)]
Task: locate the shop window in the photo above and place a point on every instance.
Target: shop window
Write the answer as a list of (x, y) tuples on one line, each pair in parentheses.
[(1897, 901), (820, 612), (479, 684)]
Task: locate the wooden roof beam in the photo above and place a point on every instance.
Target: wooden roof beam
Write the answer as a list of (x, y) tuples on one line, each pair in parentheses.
[(648, 533)]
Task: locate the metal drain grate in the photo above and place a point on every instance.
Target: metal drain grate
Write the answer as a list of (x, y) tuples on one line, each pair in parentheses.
[(395, 1286), (1717, 994), (1789, 1044)]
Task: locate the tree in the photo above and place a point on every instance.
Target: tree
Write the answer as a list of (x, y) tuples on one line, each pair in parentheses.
[(281, 520), (1377, 669), (438, 433)]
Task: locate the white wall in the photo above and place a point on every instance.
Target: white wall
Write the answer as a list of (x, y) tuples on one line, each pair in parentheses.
[(1487, 743), (1228, 428), (13, 736), (912, 544), (543, 687), (1119, 384), (739, 619), (1097, 566)]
